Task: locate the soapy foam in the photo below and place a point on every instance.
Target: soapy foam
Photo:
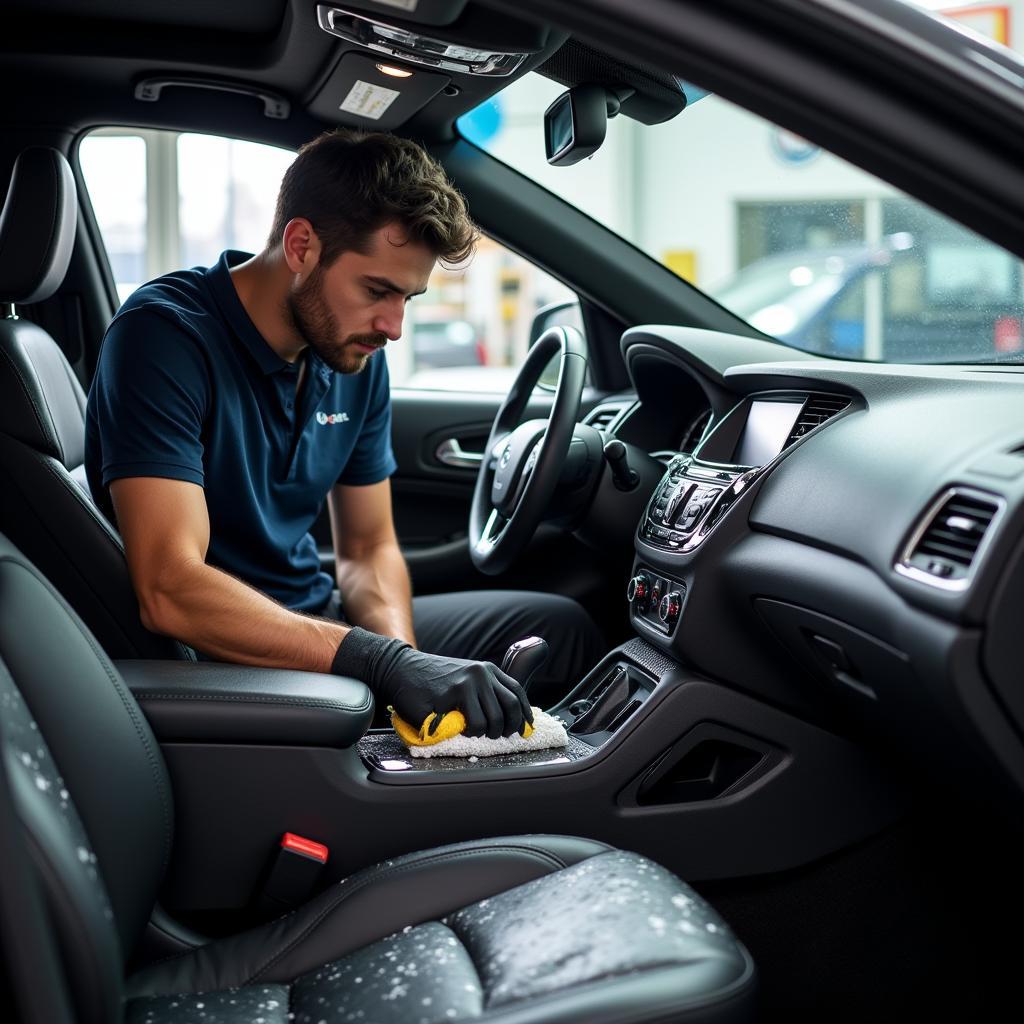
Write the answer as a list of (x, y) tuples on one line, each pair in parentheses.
[(547, 732)]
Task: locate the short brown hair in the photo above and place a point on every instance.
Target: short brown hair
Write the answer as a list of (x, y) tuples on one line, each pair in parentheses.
[(349, 184)]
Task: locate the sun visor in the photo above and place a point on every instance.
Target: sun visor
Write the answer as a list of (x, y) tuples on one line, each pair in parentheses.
[(656, 96), (360, 94)]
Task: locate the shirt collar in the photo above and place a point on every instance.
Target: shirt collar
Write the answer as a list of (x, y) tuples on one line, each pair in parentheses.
[(219, 276)]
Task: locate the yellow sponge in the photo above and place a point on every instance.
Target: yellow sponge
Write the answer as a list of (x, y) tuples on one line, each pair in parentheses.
[(452, 724)]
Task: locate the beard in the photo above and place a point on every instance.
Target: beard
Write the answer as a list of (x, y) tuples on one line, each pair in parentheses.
[(319, 329)]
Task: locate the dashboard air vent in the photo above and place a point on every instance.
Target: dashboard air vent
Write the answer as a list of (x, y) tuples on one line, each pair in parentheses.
[(603, 416), (945, 546), (816, 411)]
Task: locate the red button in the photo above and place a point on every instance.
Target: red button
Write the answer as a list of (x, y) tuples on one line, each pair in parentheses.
[(317, 851)]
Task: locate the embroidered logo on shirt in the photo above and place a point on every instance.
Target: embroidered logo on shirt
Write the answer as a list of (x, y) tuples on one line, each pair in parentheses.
[(327, 418)]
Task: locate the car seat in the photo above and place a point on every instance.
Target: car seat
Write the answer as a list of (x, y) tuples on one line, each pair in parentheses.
[(45, 505)]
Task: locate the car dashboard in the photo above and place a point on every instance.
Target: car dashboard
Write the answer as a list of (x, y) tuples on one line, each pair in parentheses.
[(843, 541)]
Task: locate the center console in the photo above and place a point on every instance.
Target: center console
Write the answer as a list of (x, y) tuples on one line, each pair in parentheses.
[(697, 492), (596, 711)]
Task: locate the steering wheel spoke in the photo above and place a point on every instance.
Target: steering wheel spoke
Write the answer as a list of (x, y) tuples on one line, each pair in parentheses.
[(524, 459), (498, 444)]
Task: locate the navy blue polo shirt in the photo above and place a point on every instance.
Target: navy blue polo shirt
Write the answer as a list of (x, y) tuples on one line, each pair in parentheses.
[(186, 388)]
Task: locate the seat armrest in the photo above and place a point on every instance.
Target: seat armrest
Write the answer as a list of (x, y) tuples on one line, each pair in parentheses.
[(218, 703)]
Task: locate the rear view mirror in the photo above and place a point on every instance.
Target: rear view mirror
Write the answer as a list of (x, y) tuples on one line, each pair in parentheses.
[(575, 124)]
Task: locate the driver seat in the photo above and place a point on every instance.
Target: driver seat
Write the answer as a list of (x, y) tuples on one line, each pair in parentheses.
[(45, 505), (517, 930)]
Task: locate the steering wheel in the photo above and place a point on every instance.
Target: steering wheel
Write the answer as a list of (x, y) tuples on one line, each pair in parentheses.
[(523, 461)]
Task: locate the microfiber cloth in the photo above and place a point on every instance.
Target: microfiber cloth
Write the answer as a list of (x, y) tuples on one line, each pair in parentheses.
[(448, 741)]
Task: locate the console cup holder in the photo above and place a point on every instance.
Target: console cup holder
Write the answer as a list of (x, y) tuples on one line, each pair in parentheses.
[(612, 700)]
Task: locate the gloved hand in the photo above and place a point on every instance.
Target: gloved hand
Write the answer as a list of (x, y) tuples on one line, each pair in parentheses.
[(416, 684)]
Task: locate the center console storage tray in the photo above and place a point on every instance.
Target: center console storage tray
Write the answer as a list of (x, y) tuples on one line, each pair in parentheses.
[(383, 751)]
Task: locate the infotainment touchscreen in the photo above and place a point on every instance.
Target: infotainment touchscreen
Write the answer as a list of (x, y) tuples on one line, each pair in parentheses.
[(767, 427)]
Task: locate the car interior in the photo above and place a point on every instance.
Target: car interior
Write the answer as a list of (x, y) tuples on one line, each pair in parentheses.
[(793, 783)]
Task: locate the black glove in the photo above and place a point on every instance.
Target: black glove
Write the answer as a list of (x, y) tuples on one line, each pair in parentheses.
[(415, 684)]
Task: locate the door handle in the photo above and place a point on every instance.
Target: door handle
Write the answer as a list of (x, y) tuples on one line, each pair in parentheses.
[(451, 453)]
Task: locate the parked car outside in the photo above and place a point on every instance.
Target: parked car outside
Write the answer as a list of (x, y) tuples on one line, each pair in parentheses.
[(899, 300), (438, 344)]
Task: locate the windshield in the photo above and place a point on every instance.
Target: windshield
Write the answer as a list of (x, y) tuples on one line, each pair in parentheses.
[(800, 244)]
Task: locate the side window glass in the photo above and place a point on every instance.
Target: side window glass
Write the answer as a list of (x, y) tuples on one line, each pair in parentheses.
[(472, 328), (114, 167), (227, 191), (165, 200)]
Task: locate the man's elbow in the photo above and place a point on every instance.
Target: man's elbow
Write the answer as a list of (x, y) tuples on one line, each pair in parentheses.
[(162, 603), (154, 616)]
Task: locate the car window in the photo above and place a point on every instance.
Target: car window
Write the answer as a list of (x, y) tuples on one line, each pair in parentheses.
[(166, 200), (189, 198), (471, 329), (777, 230)]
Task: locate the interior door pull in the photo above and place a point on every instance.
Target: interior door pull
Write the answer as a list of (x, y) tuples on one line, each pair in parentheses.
[(451, 453)]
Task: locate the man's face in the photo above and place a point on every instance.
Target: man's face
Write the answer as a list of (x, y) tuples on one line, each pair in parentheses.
[(355, 306)]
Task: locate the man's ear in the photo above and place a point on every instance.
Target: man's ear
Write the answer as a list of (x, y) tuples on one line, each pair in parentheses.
[(301, 246)]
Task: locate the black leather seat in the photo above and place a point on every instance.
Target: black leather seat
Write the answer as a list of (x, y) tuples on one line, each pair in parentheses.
[(519, 929), (45, 507)]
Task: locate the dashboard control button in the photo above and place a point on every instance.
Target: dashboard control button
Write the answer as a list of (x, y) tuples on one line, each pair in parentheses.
[(669, 607), (676, 498), (637, 588)]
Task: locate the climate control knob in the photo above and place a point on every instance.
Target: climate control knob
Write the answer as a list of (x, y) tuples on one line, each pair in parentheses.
[(637, 589), (671, 605)]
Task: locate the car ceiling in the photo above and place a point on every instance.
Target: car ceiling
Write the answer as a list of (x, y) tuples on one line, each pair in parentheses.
[(935, 117), (87, 62)]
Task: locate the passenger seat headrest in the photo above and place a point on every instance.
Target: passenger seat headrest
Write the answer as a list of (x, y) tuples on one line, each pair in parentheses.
[(37, 226)]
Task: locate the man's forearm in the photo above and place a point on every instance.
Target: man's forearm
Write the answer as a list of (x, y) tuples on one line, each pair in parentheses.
[(376, 592), (224, 617)]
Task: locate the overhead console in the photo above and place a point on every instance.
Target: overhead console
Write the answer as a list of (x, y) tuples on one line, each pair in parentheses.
[(698, 490), (394, 58)]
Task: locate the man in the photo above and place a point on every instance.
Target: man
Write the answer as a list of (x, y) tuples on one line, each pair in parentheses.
[(229, 402)]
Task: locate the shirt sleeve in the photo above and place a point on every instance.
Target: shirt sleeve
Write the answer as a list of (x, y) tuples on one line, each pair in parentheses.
[(151, 395), (372, 458)]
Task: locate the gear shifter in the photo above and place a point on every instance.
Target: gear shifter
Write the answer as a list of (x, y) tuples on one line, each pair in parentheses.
[(523, 659)]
